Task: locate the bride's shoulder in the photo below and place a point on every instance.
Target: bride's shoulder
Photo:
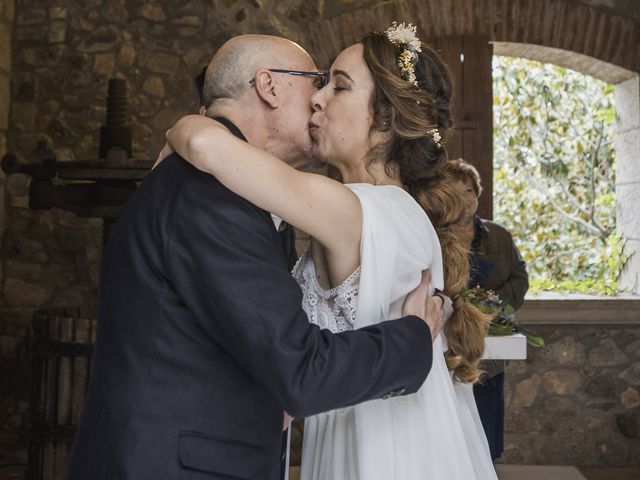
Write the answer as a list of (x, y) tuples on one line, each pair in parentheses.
[(382, 192)]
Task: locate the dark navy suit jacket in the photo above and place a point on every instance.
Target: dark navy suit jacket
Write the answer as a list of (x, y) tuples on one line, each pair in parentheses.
[(202, 342)]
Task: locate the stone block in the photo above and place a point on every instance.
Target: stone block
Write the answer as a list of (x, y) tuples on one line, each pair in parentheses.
[(57, 13), (630, 398), (602, 387), (606, 353), (634, 349), (563, 407), (20, 201), (31, 34), (518, 450), (627, 211), (7, 10), (611, 449), (27, 271), (57, 31), (101, 39), (631, 374), (518, 423), (627, 146), (23, 116), (31, 56), (629, 424), (198, 57), (627, 97), (24, 248), (3, 148), (565, 444), (152, 11), (163, 63), (595, 421), (526, 391), (5, 47), (565, 351), (188, 21), (104, 64), (117, 10), (127, 55), (31, 16), (154, 85), (17, 292), (562, 382), (5, 98), (187, 31)]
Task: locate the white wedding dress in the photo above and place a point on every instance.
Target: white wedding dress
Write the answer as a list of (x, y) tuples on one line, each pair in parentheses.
[(434, 434)]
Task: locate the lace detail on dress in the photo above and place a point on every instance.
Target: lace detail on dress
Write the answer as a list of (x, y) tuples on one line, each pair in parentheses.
[(334, 309)]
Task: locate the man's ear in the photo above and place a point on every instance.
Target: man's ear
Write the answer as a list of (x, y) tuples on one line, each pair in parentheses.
[(267, 88)]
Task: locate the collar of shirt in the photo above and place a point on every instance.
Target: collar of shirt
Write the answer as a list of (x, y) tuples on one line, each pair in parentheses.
[(277, 221)]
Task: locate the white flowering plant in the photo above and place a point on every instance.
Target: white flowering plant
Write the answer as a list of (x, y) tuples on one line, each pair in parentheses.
[(405, 39)]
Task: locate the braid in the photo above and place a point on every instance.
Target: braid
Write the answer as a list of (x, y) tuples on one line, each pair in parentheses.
[(409, 111)]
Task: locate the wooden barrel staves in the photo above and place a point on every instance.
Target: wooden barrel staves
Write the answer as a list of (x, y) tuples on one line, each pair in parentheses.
[(61, 345)]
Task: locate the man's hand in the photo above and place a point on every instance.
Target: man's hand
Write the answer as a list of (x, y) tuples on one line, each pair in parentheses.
[(420, 304)]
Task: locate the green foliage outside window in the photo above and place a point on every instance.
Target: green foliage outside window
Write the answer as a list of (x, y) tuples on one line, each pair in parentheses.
[(554, 174)]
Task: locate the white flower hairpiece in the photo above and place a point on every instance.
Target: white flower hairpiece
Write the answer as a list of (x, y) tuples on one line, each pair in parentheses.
[(404, 37), (435, 134)]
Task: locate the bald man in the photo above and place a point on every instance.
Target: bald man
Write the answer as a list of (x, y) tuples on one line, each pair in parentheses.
[(202, 343)]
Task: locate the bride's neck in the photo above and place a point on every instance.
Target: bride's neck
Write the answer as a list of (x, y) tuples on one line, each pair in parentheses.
[(374, 173)]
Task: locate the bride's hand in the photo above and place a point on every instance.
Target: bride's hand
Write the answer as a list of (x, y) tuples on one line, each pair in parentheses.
[(435, 314), (286, 421), (193, 136)]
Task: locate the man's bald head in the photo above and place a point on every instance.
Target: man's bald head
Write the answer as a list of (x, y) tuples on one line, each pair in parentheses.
[(237, 61)]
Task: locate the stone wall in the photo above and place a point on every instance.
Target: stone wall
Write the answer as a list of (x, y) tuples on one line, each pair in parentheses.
[(577, 400), (14, 382), (64, 52), (627, 96)]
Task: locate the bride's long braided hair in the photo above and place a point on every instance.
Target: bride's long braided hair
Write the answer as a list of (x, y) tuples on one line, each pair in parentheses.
[(407, 112)]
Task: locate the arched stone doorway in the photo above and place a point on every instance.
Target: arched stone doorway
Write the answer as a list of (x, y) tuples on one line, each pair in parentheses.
[(598, 41)]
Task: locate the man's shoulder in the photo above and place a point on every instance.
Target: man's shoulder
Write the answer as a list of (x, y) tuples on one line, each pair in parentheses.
[(196, 193)]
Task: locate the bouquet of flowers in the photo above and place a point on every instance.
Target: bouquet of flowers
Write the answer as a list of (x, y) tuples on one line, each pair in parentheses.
[(504, 318)]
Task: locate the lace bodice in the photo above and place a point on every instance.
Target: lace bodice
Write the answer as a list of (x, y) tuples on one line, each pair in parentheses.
[(334, 309)]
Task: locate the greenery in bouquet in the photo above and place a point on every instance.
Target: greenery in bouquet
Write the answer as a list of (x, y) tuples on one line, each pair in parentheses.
[(504, 318)]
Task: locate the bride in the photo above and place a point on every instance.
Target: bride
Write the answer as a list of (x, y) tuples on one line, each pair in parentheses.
[(380, 121)]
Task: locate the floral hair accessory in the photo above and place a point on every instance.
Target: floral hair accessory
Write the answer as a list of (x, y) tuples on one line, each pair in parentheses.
[(433, 133), (404, 37)]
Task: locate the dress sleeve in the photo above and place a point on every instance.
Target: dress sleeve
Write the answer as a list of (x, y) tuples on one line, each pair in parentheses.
[(398, 242)]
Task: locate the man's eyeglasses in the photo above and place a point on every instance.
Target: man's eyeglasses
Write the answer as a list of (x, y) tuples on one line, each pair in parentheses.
[(322, 78)]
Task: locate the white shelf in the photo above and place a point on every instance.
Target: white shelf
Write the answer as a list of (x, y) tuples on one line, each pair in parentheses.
[(507, 347)]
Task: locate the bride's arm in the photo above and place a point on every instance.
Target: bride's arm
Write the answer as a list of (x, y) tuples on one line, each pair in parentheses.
[(324, 208)]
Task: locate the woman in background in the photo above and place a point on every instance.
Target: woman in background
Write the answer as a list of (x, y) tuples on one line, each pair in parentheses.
[(496, 264)]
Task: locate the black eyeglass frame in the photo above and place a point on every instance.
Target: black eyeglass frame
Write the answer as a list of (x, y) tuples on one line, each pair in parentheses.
[(324, 76)]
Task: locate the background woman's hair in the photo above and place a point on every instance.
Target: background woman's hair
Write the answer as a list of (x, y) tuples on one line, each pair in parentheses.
[(407, 112), (463, 171)]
